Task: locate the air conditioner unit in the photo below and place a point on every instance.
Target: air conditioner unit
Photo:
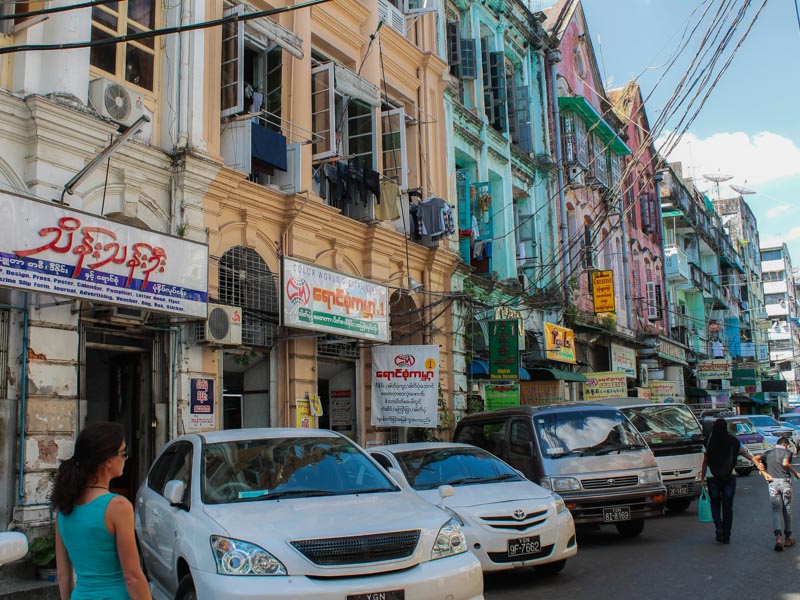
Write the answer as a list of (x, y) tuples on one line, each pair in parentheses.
[(115, 101), (575, 176), (224, 325)]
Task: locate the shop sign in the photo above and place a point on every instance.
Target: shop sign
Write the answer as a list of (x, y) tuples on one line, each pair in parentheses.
[(559, 343), (762, 352), (663, 391), (504, 312), (303, 416), (201, 403), (623, 359), (604, 385), (714, 369), (504, 349), (55, 250), (643, 393), (405, 386), (501, 396), (534, 393), (603, 291), (671, 351), (340, 408), (747, 349), (323, 300)]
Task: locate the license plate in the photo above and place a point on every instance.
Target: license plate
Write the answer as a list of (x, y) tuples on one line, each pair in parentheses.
[(616, 513), (390, 595), (678, 489), (524, 547)]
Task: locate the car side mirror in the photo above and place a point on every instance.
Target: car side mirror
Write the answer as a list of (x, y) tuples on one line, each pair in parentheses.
[(174, 491), (13, 546), (446, 491)]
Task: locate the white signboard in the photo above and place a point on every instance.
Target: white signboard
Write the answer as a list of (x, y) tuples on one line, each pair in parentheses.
[(623, 359), (322, 300), (405, 386), (50, 249)]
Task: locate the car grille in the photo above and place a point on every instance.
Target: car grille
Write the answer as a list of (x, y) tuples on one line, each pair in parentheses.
[(502, 557), (610, 482), (757, 448), (359, 549), (509, 522)]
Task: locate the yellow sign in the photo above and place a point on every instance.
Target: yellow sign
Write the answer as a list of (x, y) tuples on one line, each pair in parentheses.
[(305, 420), (559, 343), (605, 384), (603, 291)]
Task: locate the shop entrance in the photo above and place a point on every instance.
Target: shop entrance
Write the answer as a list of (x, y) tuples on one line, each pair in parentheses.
[(245, 389), (118, 383), (336, 385)]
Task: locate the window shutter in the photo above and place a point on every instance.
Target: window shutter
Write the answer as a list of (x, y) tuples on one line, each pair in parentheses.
[(497, 85), (644, 208), (568, 135), (393, 146), (511, 108), (652, 307), (418, 7), (232, 65), (659, 303), (581, 142), (273, 100), (469, 66), (323, 115), (453, 43), (525, 135)]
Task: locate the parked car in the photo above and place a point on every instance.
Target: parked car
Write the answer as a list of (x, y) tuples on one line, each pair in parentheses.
[(790, 417), (13, 546), (292, 513), (590, 455), (508, 520), (741, 427), (772, 430), (676, 438)]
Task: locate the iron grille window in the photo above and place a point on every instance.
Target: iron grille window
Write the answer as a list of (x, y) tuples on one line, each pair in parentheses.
[(334, 346), (246, 281)]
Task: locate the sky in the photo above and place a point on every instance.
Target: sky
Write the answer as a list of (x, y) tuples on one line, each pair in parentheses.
[(749, 128)]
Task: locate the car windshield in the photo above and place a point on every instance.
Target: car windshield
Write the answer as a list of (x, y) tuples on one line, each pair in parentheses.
[(763, 421), (664, 423), (426, 469), (586, 432), (741, 428), (793, 419), (274, 468)]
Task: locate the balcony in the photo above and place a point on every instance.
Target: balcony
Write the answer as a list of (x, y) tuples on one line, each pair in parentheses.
[(677, 265)]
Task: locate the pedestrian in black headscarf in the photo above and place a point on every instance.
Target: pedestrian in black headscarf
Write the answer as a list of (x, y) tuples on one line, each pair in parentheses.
[(722, 448)]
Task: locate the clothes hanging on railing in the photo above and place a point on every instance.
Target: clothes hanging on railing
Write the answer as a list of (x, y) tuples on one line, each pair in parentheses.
[(388, 206), (431, 220)]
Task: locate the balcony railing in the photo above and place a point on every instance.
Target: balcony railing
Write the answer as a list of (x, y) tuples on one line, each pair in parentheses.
[(677, 265)]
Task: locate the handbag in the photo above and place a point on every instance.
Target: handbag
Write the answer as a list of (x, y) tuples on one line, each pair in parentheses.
[(704, 507)]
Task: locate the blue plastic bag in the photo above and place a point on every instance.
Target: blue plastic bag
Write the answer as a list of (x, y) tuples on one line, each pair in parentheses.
[(704, 507)]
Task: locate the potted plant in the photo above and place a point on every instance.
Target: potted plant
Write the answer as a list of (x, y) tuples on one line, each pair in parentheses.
[(43, 555)]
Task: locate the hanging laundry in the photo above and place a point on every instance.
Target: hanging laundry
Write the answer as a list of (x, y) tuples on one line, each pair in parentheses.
[(255, 105), (476, 233), (431, 211), (477, 249), (388, 209)]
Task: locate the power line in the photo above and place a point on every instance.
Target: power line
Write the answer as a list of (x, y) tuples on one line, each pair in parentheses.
[(56, 9)]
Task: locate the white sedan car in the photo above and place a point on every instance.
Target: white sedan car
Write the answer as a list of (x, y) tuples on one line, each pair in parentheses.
[(509, 521), (292, 513)]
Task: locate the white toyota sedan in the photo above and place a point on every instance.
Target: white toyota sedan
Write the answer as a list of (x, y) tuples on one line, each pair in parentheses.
[(508, 520), (293, 513)]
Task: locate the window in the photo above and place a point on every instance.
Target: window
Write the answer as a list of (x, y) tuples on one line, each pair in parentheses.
[(653, 299), (134, 61), (174, 464), (576, 148), (519, 114), (494, 86), (393, 146), (768, 255)]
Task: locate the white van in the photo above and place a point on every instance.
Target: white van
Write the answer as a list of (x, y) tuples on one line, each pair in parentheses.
[(676, 438)]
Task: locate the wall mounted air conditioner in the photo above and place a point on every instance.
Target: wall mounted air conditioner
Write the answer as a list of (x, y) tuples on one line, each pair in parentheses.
[(224, 325), (116, 102)]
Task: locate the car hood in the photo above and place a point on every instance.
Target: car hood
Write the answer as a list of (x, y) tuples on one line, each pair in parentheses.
[(488, 493), (288, 519), (605, 463)]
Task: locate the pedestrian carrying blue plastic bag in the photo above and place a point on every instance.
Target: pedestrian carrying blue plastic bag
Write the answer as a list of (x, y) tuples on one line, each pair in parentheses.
[(704, 507)]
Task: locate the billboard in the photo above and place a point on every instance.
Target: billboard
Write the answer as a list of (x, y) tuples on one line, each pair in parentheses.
[(405, 386), (559, 343)]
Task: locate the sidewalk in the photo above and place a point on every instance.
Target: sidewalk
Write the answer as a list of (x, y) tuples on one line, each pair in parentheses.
[(18, 582)]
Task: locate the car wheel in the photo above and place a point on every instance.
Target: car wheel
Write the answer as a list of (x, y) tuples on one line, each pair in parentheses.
[(744, 471), (552, 568), (186, 589), (678, 505), (630, 528)]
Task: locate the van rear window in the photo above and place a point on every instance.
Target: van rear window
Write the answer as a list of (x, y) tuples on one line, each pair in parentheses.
[(488, 436)]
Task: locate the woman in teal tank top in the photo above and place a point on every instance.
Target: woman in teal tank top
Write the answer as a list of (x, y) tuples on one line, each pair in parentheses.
[(94, 528)]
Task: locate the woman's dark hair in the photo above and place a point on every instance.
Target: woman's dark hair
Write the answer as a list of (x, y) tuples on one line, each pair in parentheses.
[(96, 443)]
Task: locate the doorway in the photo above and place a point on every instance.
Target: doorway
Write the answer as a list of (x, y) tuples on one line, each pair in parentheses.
[(245, 389), (336, 385)]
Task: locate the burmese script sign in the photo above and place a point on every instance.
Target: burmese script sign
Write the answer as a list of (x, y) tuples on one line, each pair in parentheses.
[(714, 369), (405, 386), (623, 359), (603, 291), (604, 385), (51, 249), (504, 349), (559, 343), (502, 396), (322, 300)]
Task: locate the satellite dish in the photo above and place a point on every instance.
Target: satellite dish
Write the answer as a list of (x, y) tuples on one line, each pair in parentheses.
[(718, 178), (742, 189)]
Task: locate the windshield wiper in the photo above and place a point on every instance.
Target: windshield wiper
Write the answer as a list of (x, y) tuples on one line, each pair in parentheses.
[(580, 451), (372, 491), (294, 494), (618, 448)]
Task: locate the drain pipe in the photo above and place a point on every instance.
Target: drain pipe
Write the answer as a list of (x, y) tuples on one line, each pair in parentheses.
[(23, 407), (553, 58), (658, 177), (626, 272)]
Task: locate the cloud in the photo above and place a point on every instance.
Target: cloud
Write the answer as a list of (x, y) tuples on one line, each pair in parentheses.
[(768, 241), (774, 212), (757, 159)]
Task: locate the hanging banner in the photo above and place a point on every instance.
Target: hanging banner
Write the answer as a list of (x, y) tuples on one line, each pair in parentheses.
[(604, 385), (559, 343), (55, 250), (504, 312), (405, 386), (623, 359), (663, 391), (542, 392), (342, 409), (303, 416), (762, 352), (201, 403), (322, 300), (501, 396), (714, 369), (603, 291), (504, 349)]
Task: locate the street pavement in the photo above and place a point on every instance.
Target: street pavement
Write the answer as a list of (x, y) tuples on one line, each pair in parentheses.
[(675, 557)]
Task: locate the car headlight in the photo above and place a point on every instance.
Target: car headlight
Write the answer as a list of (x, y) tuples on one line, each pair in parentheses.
[(235, 557), (764, 445), (458, 518), (560, 506), (560, 484), (449, 541), (650, 476)]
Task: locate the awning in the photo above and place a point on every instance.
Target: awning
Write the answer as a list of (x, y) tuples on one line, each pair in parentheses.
[(739, 398), (759, 398), (478, 368), (697, 392), (586, 111), (542, 374), (744, 377), (524, 375), (672, 213)]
